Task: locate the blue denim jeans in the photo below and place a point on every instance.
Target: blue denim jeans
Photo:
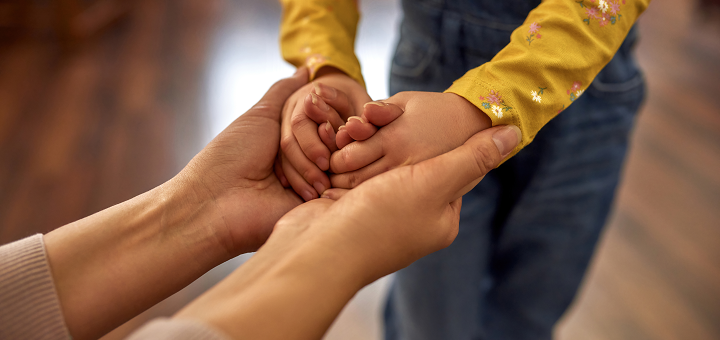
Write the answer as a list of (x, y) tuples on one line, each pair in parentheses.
[(529, 229)]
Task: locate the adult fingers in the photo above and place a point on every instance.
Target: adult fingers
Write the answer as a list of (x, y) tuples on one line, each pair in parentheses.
[(327, 135), (272, 102), (306, 133), (381, 113), (356, 155), (453, 174), (337, 99), (352, 179)]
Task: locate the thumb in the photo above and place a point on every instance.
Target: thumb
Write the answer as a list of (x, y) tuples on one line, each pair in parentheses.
[(271, 104), (453, 174), (380, 113)]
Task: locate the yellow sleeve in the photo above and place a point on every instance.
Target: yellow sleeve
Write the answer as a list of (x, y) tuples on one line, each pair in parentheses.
[(549, 62), (319, 33)]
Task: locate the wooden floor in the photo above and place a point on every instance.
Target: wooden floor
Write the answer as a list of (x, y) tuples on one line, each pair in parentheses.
[(656, 274), (85, 128)]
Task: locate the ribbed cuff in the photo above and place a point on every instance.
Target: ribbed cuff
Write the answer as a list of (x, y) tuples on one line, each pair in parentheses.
[(176, 329), (29, 305)]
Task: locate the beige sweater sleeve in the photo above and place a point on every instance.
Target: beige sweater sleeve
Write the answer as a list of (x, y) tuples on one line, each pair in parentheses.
[(29, 305), (30, 309)]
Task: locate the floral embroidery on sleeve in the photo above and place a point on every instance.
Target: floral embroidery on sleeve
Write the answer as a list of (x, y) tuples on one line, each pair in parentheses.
[(575, 91), (536, 95), (534, 32), (605, 12), (494, 102), (313, 61)]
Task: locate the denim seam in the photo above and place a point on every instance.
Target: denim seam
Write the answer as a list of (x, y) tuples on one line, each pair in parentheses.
[(619, 87)]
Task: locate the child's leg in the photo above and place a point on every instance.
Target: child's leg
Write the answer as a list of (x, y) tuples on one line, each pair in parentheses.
[(516, 265), (438, 296)]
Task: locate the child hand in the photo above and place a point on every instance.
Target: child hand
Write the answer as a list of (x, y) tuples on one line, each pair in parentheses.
[(432, 124), (306, 139)]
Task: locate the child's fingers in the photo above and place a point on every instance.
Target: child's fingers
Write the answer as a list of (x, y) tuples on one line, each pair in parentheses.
[(381, 113), (357, 155), (335, 98), (334, 193), (327, 135), (297, 182), (342, 138), (320, 112), (279, 172), (294, 159), (359, 129), (350, 180), (306, 133)]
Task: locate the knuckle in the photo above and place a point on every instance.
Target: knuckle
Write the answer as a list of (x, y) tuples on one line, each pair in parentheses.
[(346, 158), (286, 142), (298, 120), (353, 180), (308, 175), (485, 157)]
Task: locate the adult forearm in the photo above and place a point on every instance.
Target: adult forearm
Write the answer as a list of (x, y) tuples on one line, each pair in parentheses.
[(293, 288), (114, 264)]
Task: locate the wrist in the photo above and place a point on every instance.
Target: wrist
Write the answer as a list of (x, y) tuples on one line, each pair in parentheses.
[(294, 287), (192, 218), (328, 70), (126, 258), (188, 217), (474, 119)]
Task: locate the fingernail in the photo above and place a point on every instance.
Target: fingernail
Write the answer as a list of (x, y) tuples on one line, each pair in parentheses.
[(329, 128), (322, 163), (307, 196), (375, 103), (341, 127), (506, 139), (324, 195), (319, 187), (362, 121), (317, 101), (324, 91), (297, 71)]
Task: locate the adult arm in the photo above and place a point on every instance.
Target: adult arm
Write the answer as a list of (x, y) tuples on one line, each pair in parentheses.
[(112, 265)]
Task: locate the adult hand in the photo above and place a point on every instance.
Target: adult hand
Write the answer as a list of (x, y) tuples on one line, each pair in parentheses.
[(112, 265), (395, 218), (322, 252), (235, 172)]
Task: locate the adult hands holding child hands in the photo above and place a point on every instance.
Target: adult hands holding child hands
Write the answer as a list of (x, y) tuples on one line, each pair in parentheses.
[(110, 266), (323, 251)]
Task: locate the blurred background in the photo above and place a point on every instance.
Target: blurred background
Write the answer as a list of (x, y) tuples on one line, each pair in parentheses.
[(101, 100)]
